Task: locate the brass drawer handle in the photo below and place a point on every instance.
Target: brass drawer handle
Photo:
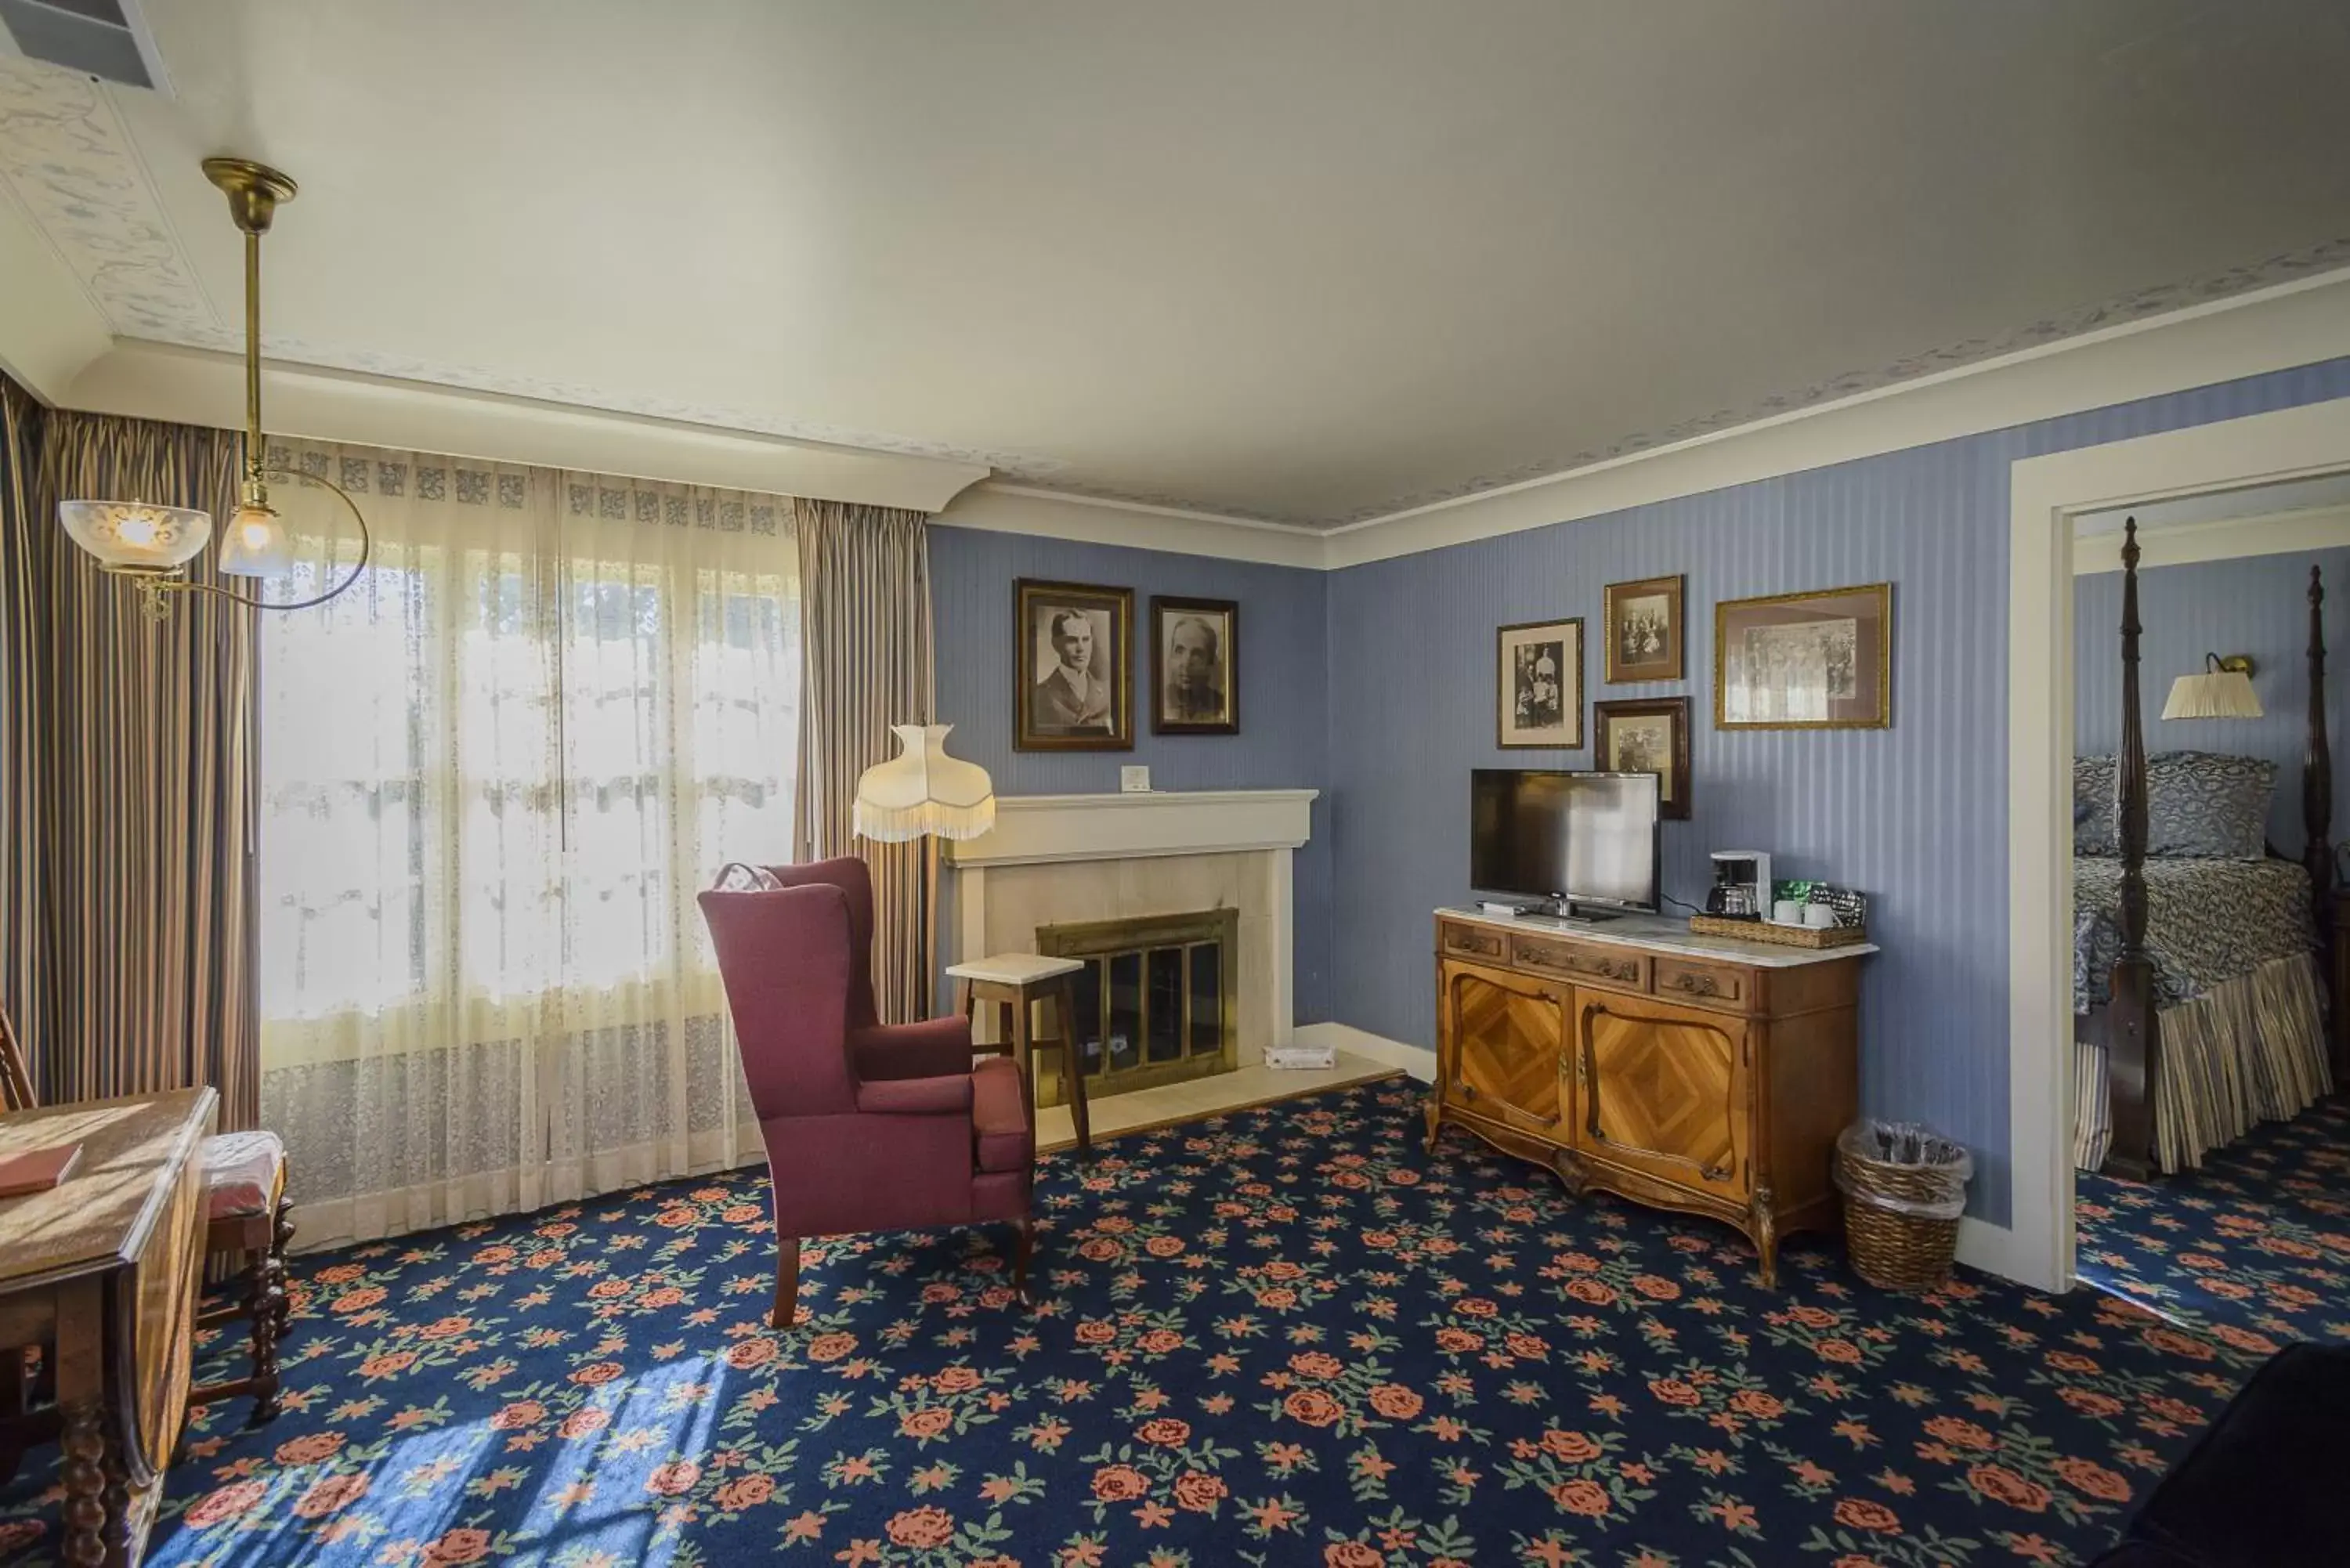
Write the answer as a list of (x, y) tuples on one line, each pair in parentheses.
[(1629, 971), (1697, 984)]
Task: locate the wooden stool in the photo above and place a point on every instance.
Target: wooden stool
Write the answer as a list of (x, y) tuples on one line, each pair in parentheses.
[(1011, 982)]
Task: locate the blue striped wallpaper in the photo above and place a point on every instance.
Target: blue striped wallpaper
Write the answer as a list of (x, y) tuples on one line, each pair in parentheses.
[(1915, 815), (2257, 605), (1284, 707)]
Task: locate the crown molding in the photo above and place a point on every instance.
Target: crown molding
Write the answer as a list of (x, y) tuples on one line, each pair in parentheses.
[(999, 508), (2299, 323), (2276, 329), (203, 387)]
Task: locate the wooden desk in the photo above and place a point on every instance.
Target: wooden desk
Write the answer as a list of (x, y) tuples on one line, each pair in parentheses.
[(103, 1269)]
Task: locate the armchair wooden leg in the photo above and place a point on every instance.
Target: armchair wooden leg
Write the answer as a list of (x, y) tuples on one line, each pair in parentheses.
[(787, 1282), (281, 1240), (265, 1299), (1023, 1248)]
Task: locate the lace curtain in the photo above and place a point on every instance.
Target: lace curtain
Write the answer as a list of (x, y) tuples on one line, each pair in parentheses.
[(494, 774)]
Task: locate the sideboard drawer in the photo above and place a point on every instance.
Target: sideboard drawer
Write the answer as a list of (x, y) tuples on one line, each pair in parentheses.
[(1687, 980), (1587, 963), (1474, 941)]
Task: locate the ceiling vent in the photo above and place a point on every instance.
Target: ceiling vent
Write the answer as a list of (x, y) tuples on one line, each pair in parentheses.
[(104, 39)]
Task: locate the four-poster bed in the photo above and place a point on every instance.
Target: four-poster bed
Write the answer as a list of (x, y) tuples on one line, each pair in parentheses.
[(2213, 1021)]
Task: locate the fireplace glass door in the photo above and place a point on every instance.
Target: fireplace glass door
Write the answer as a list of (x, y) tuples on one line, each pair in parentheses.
[(1155, 1002)]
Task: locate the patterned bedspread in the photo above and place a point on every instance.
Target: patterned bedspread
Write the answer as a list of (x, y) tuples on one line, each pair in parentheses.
[(2207, 921)]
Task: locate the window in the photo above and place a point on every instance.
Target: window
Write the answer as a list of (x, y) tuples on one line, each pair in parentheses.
[(494, 774)]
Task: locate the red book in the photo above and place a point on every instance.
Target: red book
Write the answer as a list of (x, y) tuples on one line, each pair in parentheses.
[(37, 1170)]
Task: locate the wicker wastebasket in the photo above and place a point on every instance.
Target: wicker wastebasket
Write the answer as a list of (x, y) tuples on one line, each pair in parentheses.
[(1904, 1189)]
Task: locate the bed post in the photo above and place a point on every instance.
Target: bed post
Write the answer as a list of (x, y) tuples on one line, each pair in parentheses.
[(2132, 1060), (2317, 819)]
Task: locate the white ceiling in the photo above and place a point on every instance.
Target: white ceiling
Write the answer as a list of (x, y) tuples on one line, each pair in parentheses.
[(1309, 261)]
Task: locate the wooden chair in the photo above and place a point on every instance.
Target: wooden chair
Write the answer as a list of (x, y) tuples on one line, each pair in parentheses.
[(245, 1209)]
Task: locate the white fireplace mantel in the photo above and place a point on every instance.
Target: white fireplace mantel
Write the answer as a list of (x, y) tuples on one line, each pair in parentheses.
[(1041, 831), (1034, 829)]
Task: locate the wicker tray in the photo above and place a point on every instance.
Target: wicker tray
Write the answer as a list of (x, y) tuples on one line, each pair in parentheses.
[(1785, 936)]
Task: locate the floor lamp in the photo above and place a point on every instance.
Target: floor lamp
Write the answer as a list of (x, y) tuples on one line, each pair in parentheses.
[(922, 793)]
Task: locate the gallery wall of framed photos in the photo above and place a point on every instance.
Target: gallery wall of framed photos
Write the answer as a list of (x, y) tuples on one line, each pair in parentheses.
[(1818, 660)]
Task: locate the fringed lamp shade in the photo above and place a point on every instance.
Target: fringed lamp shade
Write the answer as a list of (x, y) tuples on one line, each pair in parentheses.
[(2217, 693), (922, 790)]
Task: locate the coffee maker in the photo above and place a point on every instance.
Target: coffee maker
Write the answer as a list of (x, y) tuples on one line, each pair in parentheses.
[(1742, 885)]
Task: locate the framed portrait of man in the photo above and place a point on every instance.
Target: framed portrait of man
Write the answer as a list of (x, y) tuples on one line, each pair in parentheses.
[(1648, 736), (1073, 650), (1195, 672), (1644, 631), (1539, 667)]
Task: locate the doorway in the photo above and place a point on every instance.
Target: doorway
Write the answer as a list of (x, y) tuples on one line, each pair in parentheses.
[(2049, 497)]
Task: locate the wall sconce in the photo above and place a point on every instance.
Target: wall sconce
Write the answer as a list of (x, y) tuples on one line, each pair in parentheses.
[(2223, 691)]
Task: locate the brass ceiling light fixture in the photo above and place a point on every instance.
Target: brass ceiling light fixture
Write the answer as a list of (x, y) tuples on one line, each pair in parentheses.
[(152, 545)]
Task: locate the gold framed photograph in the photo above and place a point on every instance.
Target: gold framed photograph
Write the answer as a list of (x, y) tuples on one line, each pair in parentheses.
[(1072, 661), (1643, 629), (1648, 735), (1819, 661), (1539, 674), (1195, 670)]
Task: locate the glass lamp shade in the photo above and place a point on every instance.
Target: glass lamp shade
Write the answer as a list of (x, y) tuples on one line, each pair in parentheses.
[(923, 790), (2214, 694), (136, 537), (254, 543)]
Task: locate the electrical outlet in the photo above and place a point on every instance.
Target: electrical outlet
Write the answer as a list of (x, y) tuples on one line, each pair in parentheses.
[(1134, 780)]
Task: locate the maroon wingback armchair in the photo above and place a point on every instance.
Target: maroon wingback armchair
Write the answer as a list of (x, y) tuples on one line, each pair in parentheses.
[(869, 1126)]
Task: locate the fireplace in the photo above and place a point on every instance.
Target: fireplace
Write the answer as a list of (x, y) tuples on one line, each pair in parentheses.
[(1131, 874), (1157, 1002)]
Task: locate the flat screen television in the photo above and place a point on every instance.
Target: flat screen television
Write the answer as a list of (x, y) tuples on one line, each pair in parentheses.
[(1581, 838)]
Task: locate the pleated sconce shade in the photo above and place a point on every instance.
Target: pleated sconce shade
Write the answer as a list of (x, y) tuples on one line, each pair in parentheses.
[(923, 790), (2215, 693)]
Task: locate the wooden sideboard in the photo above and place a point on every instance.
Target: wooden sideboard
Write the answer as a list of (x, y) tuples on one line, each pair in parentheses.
[(1693, 1073), (101, 1272)]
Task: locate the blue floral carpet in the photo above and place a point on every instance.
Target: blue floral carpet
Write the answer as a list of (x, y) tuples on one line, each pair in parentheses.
[(2253, 1248), (1285, 1337)]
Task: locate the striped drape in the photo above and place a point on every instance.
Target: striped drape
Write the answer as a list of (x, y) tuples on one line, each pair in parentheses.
[(865, 598), (133, 796), (22, 668)]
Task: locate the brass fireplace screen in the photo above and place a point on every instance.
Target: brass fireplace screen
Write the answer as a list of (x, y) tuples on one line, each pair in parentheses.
[(1156, 1003)]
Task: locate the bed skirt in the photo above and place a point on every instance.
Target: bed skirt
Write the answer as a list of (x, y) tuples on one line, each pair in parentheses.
[(2250, 1050)]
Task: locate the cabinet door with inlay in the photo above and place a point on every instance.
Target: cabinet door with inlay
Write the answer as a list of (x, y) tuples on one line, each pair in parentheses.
[(1504, 1037), (1663, 1089)]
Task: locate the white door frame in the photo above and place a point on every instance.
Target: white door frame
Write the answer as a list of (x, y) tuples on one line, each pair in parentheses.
[(2045, 494)]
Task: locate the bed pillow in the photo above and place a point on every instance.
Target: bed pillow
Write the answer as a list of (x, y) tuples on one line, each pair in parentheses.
[(2203, 803), (2096, 828)]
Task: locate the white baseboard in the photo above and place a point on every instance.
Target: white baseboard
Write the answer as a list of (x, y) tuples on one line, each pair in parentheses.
[(1415, 1060)]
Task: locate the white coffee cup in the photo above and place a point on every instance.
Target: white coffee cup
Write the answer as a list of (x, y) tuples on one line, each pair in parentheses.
[(1787, 912), (1819, 917)]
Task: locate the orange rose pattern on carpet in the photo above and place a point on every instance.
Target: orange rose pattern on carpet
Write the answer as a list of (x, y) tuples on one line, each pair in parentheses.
[(1286, 1336)]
